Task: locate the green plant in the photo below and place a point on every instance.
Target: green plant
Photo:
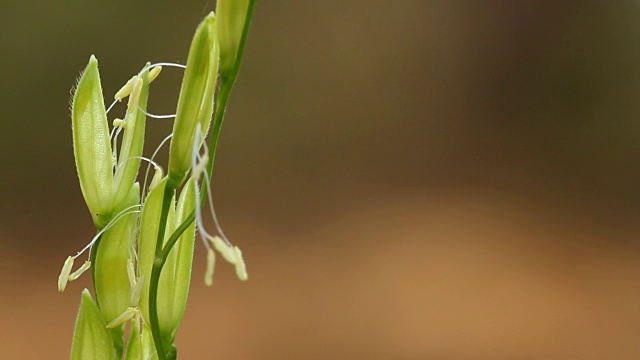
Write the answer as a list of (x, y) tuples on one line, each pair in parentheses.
[(141, 256)]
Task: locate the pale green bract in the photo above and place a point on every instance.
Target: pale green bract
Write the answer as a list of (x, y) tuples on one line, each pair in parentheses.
[(92, 146), (91, 339), (195, 105)]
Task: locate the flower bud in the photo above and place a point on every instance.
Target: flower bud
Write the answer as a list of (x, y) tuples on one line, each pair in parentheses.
[(91, 338), (91, 144), (232, 16), (195, 105)]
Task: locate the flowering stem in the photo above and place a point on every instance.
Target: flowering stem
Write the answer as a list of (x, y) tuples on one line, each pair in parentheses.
[(162, 252)]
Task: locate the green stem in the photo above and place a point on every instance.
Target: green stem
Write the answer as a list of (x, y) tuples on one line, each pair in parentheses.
[(158, 263)]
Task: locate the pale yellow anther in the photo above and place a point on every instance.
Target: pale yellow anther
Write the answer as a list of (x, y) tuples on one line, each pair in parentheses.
[(135, 94), (198, 170), (125, 90), (241, 268), (136, 291), (76, 274), (131, 274), (127, 315), (157, 176), (119, 123), (227, 252), (154, 72), (64, 274), (211, 261)]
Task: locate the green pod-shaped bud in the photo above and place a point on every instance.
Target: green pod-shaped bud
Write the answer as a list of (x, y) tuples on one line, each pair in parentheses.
[(232, 17), (133, 138), (174, 282), (91, 339), (111, 280), (147, 238), (195, 105), (91, 144)]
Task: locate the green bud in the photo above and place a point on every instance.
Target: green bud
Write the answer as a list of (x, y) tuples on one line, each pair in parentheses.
[(232, 16), (91, 144), (91, 339), (176, 275), (195, 105), (113, 289), (133, 138)]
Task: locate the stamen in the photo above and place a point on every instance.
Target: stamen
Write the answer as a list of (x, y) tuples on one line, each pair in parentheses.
[(241, 268), (200, 167), (119, 123), (136, 291), (80, 271), (227, 252), (125, 90), (154, 72), (64, 274), (135, 94), (131, 274), (211, 261), (127, 315)]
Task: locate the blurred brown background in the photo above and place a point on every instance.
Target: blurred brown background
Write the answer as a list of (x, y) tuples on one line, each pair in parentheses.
[(408, 180)]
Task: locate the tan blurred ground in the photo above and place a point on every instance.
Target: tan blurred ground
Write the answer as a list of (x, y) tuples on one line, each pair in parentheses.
[(408, 180)]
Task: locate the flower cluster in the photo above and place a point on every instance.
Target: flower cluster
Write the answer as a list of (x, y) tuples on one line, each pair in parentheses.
[(142, 254)]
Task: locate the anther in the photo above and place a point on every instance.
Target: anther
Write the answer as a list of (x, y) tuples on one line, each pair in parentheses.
[(76, 274), (64, 274), (197, 170), (136, 291), (119, 123), (154, 72), (135, 94), (127, 315), (241, 268), (125, 90), (227, 252), (211, 261)]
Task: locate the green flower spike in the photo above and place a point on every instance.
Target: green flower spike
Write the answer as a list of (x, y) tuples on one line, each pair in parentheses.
[(91, 339), (195, 105), (92, 146), (232, 15)]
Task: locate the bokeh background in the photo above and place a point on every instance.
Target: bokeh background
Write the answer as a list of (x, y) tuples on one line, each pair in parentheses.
[(408, 180)]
